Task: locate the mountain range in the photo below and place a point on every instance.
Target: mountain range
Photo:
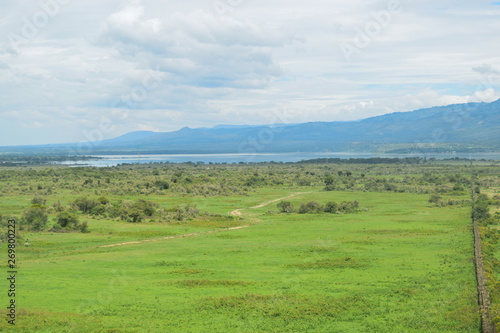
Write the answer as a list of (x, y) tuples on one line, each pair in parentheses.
[(460, 127)]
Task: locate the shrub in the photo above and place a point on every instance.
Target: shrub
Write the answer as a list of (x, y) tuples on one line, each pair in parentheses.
[(38, 200), (148, 208), (285, 207), (84, 227), (310, 207), (35, 217), (103, 201), (162, 184), (85, 205), (435, 199), (349, 206), (481, 211), (331, 187), (67, 219), (331, 207)]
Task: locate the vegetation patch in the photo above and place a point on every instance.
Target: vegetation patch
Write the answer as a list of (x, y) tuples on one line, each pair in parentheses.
[(403, 232), (289, 307), (188, 271), (328, 263), (211, 283)]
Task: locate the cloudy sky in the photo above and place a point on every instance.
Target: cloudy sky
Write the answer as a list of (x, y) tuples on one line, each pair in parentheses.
[(73, 71)]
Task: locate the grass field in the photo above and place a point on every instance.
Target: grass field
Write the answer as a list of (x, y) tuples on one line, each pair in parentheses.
[(399, 265)]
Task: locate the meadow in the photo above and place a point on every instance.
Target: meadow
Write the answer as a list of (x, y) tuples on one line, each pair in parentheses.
[(218, 252)]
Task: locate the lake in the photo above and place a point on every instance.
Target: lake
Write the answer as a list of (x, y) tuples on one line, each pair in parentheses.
[(113, 160)]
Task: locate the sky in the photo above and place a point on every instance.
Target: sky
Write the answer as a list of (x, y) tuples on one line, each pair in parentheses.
[(76, 71)]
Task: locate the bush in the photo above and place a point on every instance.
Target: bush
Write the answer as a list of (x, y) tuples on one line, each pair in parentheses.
[(103, 201), (162, 184), (148, 208), (38, 200), (133, 211), (310, 207), (85, 205), (285, 207), (67, 220), (435, 199), (329, 180), (331, 187), (480, 211), (35, 217), (331, 207), (84, 227), (349, 206)]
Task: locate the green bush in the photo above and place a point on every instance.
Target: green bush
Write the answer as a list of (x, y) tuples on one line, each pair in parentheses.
[(331, 207), (35, 217), (285, 206), (67, 219), (162, 184), (38, 200), (310, 207), (85, 205)]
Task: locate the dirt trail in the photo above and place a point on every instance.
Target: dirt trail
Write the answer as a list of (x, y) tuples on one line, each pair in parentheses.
[(236, 212), (275, 200)]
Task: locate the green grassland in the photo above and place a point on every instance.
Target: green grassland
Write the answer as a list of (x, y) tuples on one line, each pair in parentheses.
[(398, 264)]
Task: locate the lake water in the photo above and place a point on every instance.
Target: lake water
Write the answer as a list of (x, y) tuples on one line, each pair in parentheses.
[(113, 160)]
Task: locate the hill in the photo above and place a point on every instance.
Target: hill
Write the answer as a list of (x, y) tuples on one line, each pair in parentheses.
[(460, 127)]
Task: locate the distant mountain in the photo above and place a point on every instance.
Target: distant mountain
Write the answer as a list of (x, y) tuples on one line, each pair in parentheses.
[(473, 126), (133, 136)]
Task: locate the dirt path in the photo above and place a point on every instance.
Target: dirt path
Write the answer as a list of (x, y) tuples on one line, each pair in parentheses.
[(236, 212), (276, 200)]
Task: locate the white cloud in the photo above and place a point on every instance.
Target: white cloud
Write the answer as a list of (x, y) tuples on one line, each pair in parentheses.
[(165, 65)]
